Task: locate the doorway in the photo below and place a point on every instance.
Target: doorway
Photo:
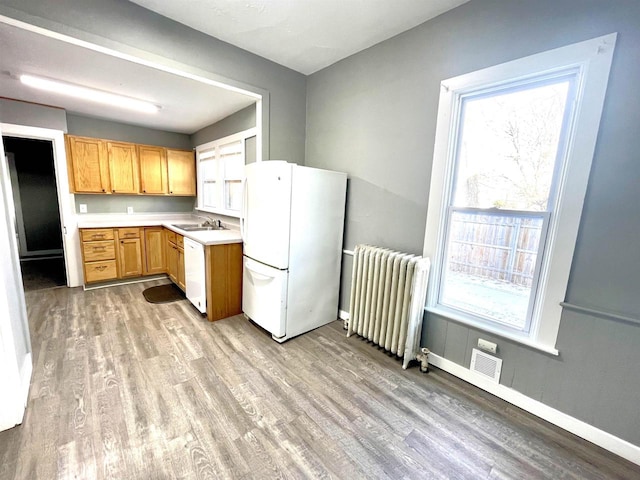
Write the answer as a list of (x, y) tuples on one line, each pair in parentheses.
[(37, 214)]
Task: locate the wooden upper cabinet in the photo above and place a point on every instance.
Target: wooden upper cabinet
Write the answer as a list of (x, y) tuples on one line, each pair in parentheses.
[(104, 166), (123, 167), (153, 169), (88, 165), (181, 165)]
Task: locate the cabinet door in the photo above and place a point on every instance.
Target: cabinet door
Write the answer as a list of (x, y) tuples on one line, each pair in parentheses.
[(153, 169), (172, 262), (123, 167), (181, 165), (130, 257), (154, 244), (88, 165), (181, 277)]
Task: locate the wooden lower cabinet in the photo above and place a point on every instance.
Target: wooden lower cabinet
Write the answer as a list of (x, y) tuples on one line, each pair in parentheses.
[(224, 280), (98, 255), (112, 253), (172, 262), (130, 257), (175, 258), (181, 274), (100, 271), (154, 251), (129, 252)]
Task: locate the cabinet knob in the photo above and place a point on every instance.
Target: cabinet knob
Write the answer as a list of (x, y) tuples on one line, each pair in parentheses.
[(171, 191), (113, 191), (103, 190), (144, 191)]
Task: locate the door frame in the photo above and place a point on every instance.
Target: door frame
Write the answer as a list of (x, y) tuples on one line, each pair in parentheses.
[(66, 200)]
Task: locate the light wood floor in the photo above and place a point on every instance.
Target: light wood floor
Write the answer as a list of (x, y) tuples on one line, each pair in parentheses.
[(125, 389)]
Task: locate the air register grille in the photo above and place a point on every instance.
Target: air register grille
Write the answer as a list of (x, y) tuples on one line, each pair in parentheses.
[(486, 365)]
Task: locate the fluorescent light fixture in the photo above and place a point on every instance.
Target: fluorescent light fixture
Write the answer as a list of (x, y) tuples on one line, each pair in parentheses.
[(89, 94)]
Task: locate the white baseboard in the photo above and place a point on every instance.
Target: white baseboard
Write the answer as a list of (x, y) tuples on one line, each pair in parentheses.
[(342, 315), (590, 433)]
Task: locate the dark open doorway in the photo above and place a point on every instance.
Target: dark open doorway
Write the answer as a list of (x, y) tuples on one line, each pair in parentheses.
[(38, 226)]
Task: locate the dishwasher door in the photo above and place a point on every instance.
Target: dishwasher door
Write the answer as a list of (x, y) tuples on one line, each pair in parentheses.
[(194, 274)]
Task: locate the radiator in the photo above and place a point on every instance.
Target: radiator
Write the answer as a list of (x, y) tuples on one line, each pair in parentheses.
[(388, 291)]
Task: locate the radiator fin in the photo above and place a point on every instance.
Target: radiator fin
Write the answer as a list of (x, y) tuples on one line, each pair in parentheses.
[(388, 292)]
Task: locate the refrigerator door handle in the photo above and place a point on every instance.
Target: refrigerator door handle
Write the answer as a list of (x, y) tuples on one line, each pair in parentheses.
[(256, 272), (245, 197)]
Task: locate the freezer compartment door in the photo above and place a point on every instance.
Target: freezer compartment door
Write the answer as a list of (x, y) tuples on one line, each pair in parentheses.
[(267, 212), (264, 296)]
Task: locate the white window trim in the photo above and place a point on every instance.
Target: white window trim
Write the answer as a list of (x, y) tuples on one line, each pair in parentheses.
[(206, 147), (592, 59)]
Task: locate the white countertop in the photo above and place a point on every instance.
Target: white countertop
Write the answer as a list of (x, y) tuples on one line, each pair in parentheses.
[(209, 237)]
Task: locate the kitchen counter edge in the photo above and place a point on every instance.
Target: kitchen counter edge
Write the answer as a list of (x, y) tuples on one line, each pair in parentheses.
[(214, 237)]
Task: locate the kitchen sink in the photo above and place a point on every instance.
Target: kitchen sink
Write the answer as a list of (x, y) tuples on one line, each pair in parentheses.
[(195, 227)]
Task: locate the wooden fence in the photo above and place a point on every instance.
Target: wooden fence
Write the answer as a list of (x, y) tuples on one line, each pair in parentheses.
[(494, 246)]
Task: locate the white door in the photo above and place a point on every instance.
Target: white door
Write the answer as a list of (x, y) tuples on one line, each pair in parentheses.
[(15, 341), (264, 296), (267, 212)]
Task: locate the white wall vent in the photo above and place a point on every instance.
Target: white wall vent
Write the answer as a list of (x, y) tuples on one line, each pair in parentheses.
[(486, 365)]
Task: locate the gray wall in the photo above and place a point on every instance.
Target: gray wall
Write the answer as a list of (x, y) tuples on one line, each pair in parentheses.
[(31, 114), (140, 203), (237, 122), (126, 26), (97, 128), (373, 115)]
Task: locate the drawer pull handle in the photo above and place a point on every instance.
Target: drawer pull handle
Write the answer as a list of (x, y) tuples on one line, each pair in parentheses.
[(129, 234), (99, 249), (96, 236), (101, 268)]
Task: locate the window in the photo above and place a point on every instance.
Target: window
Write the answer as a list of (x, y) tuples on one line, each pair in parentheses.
[(513, 150), (221, 172)]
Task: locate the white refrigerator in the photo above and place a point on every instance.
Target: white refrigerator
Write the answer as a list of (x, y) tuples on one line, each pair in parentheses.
[(292, 224)]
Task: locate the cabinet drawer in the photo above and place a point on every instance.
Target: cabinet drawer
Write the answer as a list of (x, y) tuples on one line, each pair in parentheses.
[(179, 240), (94, 251), (100, 271), (171, 236), (128, 233), (97, 234)]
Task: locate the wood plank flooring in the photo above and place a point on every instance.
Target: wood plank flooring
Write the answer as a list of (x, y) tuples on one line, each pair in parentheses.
[(124, 389)]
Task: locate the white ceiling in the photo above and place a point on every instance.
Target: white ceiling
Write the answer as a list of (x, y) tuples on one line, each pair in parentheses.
[(304, 35), (187, 105)]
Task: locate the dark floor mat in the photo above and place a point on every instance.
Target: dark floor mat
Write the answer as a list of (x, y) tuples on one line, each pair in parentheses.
[(163, 294)]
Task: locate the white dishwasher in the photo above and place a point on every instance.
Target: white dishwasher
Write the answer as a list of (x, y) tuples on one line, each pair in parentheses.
[(194, 274)]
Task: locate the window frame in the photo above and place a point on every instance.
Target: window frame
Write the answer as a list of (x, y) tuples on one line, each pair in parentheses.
[(211, 152), (591, 61)]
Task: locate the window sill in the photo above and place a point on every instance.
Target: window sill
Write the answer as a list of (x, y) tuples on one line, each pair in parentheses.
[(494, 331), (219, 211)]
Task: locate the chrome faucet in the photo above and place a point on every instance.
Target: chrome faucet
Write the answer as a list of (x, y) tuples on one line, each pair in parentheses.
[(210, 222)]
